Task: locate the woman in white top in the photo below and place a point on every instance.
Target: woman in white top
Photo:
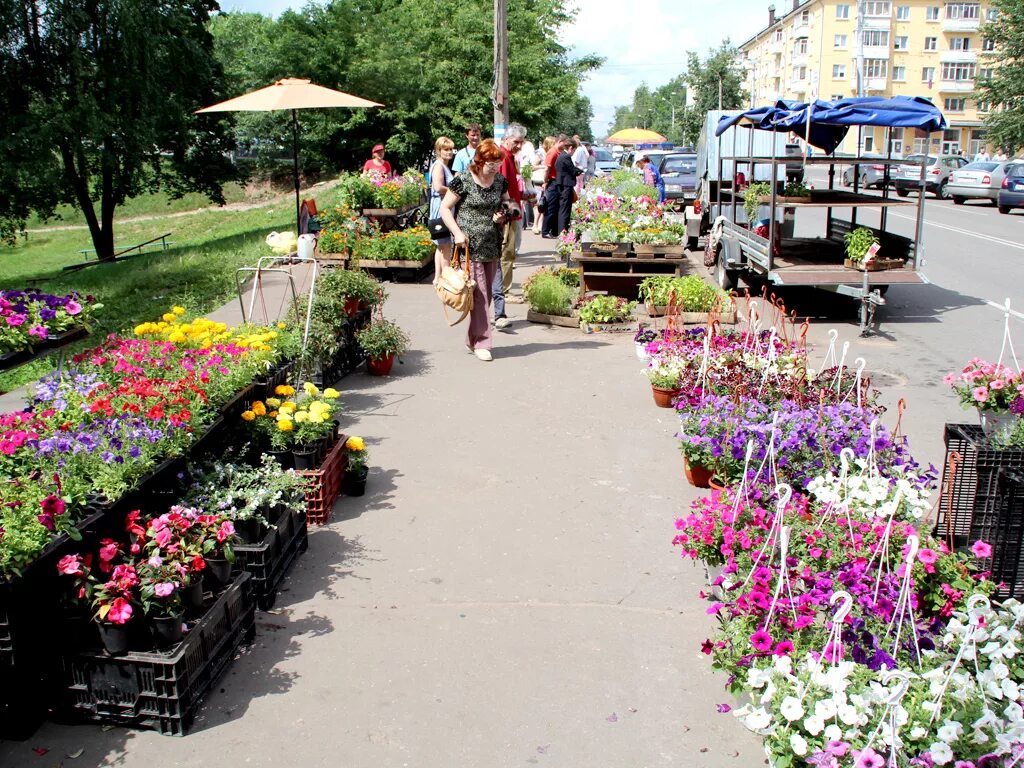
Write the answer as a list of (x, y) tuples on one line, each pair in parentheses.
[(539, 174), (440, 176)]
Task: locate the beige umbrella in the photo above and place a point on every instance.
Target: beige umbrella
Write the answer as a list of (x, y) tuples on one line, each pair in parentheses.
[(294, 94)]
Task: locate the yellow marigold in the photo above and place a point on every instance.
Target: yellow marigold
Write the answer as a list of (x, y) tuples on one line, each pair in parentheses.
[(331, 393), (311, 389), (288, 405), (285, 390), (248, 415), (301, 417), (355, 444), (283, 415), (273, 402), (286, 425), (272, 414), (170, 317), (259, 408), (178, 310), (177, 337), (282, 326), (141, 330)]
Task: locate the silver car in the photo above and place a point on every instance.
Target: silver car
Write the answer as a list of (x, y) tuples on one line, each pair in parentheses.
[(868, 174), (936, 174), (976, 181)]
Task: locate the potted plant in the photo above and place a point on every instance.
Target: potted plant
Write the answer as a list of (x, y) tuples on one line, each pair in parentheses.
[(858, 242), (601, 310), (356, 470), (160, 586), (993, 390), (752, 200), (314, 425), (111, 600), (641, 339), (382, 341), (664, 375), (549, 299)]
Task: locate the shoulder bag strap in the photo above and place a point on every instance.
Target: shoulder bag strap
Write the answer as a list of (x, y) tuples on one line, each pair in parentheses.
[(457, 262)]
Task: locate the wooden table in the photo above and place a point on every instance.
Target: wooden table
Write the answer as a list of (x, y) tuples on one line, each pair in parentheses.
[(622, 275)]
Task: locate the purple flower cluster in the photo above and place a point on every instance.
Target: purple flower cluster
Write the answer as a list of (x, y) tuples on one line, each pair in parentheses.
[(116, 438)]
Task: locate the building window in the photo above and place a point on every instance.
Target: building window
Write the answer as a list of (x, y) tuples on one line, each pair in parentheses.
[(955, 105), (800, 49), (932, 13), (988, 44), (931, 43), (869, 140), (899, 74), (840, 41), (992, 14), (970, 11), (876, 8), (960, 44), (902, 12), (984, 106), (800, 73), (805, 17), (927, 75), (838, 71), (958, 72), (842, 11), (837, 97), (875, 37), (876, 68), (985, 73), (900, 43), (778, 35)]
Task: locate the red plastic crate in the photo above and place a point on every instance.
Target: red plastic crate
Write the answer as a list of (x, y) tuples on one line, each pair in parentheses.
[(325, 483)]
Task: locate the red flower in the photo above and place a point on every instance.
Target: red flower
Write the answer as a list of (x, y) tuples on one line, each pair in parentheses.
[(53, 505), (198, 564), (120, 611), (155, 413)]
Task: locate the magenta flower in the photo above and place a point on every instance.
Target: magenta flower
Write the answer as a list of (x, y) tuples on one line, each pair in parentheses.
[(723, 708), (120, 611), (927, 556), (868, 758), (73, 308), (785, 648), (981, 549), (70, 565), (163, 589), (761, 641), (16, 319), (38, 330)]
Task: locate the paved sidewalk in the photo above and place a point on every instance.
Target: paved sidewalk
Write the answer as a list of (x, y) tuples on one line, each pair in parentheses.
[(505, 594)]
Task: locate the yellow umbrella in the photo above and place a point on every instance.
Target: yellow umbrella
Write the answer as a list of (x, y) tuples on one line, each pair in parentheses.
[(294, 94), (636, 136)]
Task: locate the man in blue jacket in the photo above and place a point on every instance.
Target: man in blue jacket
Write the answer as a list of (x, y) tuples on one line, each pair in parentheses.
[(652, 177)]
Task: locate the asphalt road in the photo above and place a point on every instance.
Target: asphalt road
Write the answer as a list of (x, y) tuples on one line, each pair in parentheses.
[(973, 260)]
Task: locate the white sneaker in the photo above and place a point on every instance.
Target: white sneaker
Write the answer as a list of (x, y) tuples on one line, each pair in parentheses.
[(483, 354), (502, 322)]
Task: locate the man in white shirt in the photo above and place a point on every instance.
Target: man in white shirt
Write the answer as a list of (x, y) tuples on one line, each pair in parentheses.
[(982, 156), (580, 157), (465, 155), (1000, 156)]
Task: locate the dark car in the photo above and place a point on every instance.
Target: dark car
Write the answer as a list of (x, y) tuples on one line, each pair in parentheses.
[(1011, 193), (679, 172)]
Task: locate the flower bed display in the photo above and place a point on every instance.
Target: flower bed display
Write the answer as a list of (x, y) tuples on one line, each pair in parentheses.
[(372, 193), (32, 320), (403, 245), (620, 212)]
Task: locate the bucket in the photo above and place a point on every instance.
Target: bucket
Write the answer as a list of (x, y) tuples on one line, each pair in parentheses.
[(306, 245)]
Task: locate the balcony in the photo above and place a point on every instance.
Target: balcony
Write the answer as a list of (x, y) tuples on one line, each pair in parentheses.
[(958, 57), (799, 59), (775, 46), (802, 29), (961, 25), (876, 52), (956, 86), (876, 83), (877, 22)]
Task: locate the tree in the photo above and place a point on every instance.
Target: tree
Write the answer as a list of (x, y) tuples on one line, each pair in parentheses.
[(1005, 88), (718, 73), (655, 109), (98, 100)]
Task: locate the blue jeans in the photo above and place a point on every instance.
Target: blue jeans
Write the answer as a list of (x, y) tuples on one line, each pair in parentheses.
[(498, 293)]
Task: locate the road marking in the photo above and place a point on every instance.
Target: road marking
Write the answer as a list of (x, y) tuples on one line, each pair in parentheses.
[(978, 235)]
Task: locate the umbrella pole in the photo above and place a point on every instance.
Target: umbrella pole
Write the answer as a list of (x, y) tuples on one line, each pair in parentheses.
[(295, 164)]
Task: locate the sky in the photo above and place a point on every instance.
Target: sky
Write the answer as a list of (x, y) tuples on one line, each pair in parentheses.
[(641, 40)]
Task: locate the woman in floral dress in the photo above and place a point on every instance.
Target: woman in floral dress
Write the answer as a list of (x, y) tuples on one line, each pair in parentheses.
[(473, 209)]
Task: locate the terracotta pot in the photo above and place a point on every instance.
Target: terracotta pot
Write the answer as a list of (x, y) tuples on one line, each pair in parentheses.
[(381, 367), (663, 397), (351, 306), (716, 483), (699, 477)]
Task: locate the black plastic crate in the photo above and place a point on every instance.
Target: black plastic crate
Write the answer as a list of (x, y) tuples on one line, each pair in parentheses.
[(269, 561), (1007, 536), (162, 691), (969, 500)]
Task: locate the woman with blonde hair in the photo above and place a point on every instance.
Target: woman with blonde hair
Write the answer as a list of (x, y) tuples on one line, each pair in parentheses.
[(440, 176), (481, 194), (539, 175)]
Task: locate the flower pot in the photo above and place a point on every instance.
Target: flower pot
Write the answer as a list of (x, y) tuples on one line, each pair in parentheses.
[(115, 637), (716, 483), (167, 630), (699, 477), (192, 595), (641, 352), (663, 397), (354, 483), (250, 531), (992, 422), (284, 458), (381, 366), (351, 306), (304, 459), (218, 571)]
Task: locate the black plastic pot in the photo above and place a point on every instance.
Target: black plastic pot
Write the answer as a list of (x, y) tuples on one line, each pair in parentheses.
[(354, 483), (115, 638), (218, 571), (167, 630)]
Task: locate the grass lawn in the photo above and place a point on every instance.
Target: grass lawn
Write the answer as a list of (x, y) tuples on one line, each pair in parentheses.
[(198, 272)]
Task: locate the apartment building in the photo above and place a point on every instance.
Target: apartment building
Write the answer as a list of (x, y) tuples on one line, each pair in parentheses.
[(831, 50)]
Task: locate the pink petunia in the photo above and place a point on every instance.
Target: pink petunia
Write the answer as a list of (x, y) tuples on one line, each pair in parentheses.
[(73, 308), (980, 394), (16, 319), (996, 384), (120, 611), (927, 556), (785, 648), (868, 758), (761, 641), (981, 549)]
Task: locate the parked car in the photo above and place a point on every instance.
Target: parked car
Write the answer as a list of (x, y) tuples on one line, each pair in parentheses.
[(936, 174), (606, 162), (976, 181), (679, 171), (1011, 192), (794, 162), (655, 155), (871, 176)]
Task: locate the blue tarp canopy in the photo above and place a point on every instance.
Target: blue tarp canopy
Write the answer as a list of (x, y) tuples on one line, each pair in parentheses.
[(830, 121)]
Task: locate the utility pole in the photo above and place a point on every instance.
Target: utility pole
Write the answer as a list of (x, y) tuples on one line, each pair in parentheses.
[(499, 95)]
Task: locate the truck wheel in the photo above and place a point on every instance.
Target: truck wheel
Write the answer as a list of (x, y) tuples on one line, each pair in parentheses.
[(726, 278), (957, 200), (902, 192), (1004, 208)]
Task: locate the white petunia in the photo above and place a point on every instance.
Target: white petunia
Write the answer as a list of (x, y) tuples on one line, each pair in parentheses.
[(833, 732), (783, 665), (798, 744), (825, 709), (950, 731), (917, 733), (1010, 689), (756, 678), (940, 752), (758, 719), (814, 725), (791, 708), (849, 715)]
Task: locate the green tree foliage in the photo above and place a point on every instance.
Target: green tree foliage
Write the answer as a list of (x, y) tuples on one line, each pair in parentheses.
[(97, 99), (1005, 89), (654, 110), (430, 62), (703, 77)]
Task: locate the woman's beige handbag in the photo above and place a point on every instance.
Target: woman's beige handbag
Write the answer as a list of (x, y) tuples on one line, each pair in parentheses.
[(455, 286)]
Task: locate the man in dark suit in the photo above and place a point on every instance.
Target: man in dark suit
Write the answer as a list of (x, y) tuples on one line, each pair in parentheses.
[(565, 181)]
